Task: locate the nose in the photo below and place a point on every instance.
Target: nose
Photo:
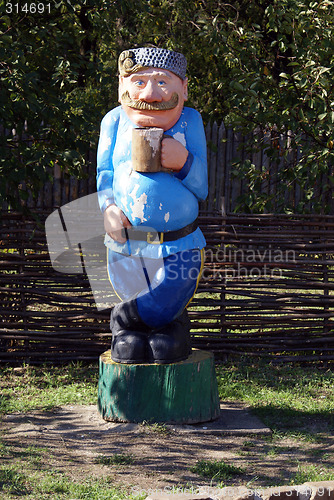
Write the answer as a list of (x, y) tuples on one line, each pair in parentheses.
[(151, 93)]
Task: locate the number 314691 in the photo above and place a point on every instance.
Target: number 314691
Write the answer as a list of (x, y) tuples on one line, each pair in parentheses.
[(27, 8)]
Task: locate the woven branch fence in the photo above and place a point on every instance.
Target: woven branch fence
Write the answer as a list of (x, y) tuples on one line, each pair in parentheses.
[(266, 290)]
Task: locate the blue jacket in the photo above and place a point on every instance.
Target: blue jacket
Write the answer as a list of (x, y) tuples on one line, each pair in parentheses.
[(161, 201)]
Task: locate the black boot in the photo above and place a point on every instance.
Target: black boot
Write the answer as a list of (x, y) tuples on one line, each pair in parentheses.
[(171, 343), (129, 347), (129, 334)]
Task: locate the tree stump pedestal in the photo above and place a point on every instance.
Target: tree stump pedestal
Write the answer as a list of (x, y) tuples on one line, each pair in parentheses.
[(179, 393)]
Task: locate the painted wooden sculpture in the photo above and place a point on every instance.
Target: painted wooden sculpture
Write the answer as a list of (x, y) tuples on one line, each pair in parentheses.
[(155, 247)]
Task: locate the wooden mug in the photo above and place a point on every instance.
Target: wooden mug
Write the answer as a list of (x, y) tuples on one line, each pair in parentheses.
[(146, 149)]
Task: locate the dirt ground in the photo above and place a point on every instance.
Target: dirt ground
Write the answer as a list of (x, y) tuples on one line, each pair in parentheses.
[(76, 437)]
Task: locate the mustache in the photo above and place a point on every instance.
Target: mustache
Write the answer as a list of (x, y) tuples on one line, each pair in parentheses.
[(150, 106)]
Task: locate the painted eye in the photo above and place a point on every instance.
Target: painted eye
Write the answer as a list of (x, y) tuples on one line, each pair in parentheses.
[(161, 82), (140, 83)]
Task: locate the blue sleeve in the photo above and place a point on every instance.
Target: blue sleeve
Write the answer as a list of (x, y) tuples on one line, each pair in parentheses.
[(194, 172), (105, 149)]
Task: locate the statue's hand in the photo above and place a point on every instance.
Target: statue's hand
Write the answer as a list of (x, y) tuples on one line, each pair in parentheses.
[(114, 221), (173, 154)]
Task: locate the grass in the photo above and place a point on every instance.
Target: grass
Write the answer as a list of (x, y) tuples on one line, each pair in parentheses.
[(13, 481), (47, 387), (55, 485), (156, 427), (116, 459), (296, 402), (23, 474), (278, 393), (285, 397), (216, 470), (312, 473)]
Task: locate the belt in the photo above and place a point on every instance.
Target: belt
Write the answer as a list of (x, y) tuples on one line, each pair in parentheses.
[(158, 237)]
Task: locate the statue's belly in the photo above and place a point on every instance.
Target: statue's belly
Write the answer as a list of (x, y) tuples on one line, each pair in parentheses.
[(156, 200)]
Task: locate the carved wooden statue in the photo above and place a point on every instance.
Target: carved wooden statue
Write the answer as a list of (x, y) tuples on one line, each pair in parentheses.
[(150, 217)]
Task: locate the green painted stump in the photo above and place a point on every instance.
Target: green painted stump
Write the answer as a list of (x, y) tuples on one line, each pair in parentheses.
[(182, 393)]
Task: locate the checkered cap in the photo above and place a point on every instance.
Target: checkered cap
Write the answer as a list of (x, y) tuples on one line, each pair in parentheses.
[(131, 61)]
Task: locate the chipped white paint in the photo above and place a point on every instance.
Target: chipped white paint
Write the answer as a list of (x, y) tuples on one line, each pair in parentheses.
[(108, 118), (153, 136), (160, 206), (138, 204), (123, 201), (134, 174), (167, 215), (105, 142), (181, 138)]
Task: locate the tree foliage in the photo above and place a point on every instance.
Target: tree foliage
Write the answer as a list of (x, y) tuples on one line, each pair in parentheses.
[(55, 85), (264, 65)]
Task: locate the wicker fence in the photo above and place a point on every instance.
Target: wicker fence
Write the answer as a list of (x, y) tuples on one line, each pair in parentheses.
[(266, 290), (267, 286)]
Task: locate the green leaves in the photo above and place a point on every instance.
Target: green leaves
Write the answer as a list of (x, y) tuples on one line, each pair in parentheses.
[(253, 64), (283, 85), (51, 101)]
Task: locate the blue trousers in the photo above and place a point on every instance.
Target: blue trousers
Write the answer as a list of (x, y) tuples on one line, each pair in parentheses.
[(162, 288)]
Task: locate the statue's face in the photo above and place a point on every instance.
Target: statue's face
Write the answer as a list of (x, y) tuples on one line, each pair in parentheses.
[(153, 97)]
